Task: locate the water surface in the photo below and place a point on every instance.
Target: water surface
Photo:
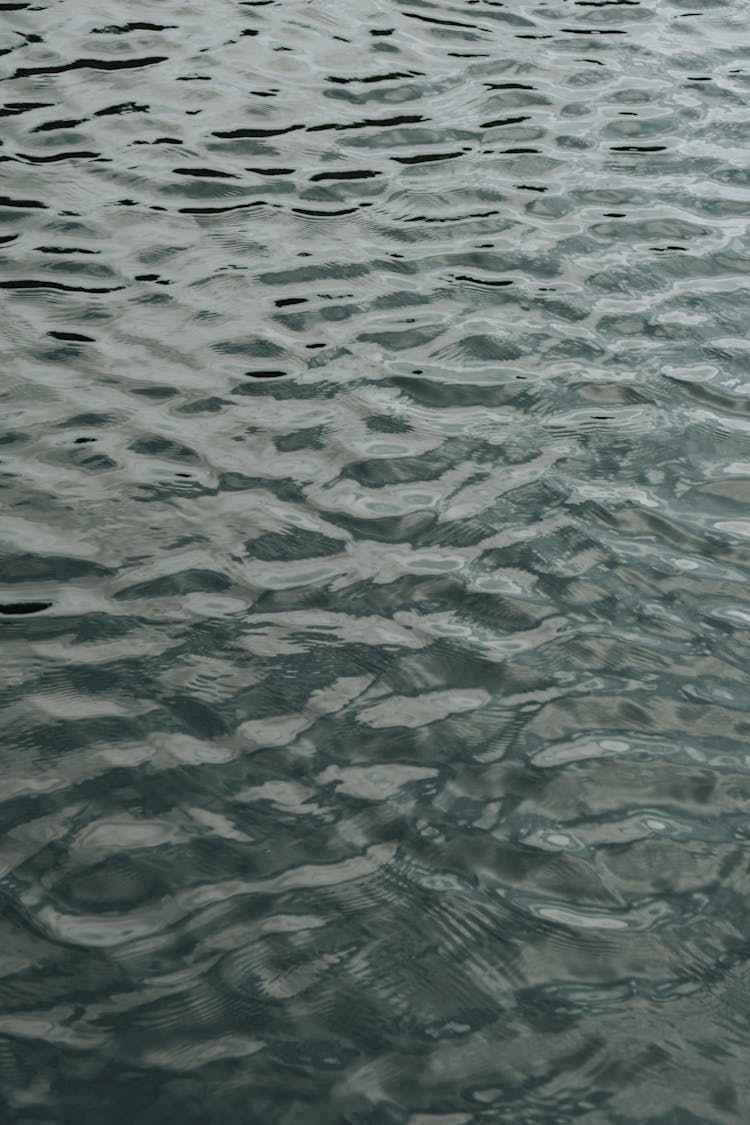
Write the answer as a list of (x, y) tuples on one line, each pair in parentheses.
[(374, 563)]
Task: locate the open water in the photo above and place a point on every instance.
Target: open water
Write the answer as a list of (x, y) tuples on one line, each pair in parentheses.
[(375, 551)]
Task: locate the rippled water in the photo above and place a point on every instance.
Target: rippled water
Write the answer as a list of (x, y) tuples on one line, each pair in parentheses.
[(375, 557)]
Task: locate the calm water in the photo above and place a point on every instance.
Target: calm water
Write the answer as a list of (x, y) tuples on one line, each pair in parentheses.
[(375, 558)]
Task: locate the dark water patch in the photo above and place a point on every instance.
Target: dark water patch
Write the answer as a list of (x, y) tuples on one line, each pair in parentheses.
[(57, 285), (10, 609), (24, 204), (222, 210), (391, 76), (73, 337), (500, 121), (426, 158), (272, 171), (444, 22), (123, 29), (121, 107), (483, 281), (65, 250), (239, 134), (156, 392), (65, 123), (212, 173), (90, 64), (369, 123), (58, 157), (354, 175)]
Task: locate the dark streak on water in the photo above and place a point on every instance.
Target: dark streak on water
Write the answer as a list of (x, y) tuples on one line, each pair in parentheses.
[(374, 563)]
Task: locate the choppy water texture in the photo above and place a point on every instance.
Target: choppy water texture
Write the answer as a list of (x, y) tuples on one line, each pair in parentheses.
[(375, 558)]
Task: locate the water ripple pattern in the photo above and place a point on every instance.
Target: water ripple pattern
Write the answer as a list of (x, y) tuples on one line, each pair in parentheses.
[(374, 562)]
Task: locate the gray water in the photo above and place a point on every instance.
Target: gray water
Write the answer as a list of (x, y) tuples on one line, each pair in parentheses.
[(374, 563)]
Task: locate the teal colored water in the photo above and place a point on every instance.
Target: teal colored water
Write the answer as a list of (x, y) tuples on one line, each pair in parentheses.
[(374, 562)]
